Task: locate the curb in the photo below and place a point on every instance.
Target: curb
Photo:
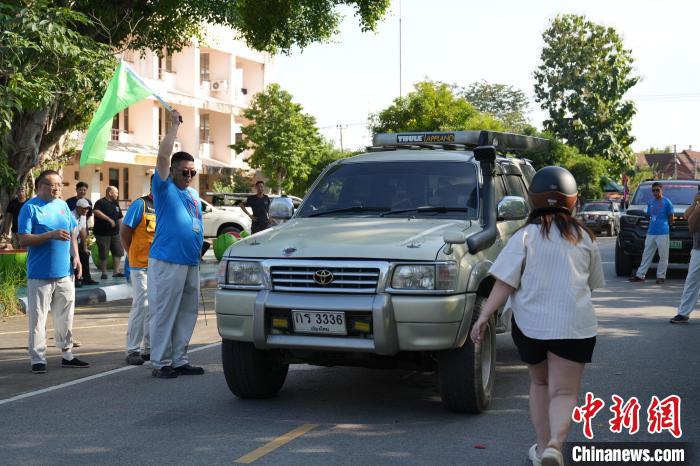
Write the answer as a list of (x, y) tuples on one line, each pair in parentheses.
[(104, 294)]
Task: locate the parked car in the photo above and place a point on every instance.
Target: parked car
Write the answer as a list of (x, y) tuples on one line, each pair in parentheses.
[(601, 216), (635, 222), (231, 200), (217, 221), (385, 264)]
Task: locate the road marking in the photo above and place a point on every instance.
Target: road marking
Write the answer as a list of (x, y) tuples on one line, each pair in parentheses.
[(87, 379), (275, 444), (16, 332)]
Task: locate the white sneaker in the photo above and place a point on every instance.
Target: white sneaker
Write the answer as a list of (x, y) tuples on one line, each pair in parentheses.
[(532, 454), (552, 457)]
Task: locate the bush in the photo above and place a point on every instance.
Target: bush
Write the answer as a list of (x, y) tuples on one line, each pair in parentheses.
[(12, 275), (588, 171)]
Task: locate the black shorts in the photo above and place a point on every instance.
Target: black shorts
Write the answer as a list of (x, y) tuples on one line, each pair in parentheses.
[(533, 351)]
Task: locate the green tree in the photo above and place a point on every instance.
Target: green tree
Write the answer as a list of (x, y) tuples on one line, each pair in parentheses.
[(57, 56), (505, 103), (589, 173), (584, 73), (284, 140), (431, 106), (327, 155)]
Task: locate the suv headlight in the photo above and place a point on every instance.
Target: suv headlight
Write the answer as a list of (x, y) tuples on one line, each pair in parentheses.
[(241, 273), (425, 277), (604, 217)]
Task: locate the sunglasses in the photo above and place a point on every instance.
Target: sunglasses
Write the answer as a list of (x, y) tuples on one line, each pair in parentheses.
[(191, 173), (657, 190)]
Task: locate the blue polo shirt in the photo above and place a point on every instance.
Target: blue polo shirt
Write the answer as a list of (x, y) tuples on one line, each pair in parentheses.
[(179, 230), (52, 258), (659, 211)]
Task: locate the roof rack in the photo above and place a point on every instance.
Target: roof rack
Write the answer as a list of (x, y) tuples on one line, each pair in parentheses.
[(451, 140)]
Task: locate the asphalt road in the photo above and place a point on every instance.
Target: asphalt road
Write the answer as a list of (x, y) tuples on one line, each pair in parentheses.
[(339, 415)]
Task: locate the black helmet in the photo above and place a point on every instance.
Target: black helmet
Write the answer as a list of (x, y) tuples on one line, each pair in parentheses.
[(553, 188)]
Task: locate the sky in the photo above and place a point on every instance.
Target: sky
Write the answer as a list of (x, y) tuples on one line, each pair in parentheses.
[(500, 41)]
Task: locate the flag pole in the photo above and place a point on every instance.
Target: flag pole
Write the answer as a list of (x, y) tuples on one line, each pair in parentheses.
[(155, 94)]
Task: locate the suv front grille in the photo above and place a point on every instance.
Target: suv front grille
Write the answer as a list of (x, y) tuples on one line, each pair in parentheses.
[(324, 279)]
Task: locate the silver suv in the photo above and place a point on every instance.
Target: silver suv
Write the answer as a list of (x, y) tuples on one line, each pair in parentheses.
[(384, 264)]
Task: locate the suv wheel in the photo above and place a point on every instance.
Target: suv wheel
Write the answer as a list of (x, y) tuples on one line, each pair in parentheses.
[(250, 372), (623, 263), (466, 375)]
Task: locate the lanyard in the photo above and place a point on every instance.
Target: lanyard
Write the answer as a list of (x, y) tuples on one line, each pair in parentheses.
[(194, 211)]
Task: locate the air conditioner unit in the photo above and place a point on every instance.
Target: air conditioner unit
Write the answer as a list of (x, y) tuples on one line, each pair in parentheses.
[(217, 86)]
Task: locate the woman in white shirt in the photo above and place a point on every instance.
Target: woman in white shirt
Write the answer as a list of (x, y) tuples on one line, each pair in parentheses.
[(547, 271)]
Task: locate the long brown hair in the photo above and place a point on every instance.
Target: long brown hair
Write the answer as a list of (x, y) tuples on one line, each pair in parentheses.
[(570, 228)]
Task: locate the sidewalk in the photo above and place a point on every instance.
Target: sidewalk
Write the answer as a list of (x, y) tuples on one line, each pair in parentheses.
[(113, 289)]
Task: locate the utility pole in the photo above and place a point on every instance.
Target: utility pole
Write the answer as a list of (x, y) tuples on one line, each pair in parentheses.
[(675, 163), (341, 128), (400, 56)]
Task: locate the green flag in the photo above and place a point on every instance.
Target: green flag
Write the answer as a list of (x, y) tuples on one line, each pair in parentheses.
[(125, 89)]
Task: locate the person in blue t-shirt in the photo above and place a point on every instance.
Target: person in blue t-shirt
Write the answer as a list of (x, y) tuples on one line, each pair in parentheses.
[(660, 212), (173, 264), (47, 228)]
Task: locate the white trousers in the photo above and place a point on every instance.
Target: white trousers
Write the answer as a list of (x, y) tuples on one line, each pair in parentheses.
[(137, 333), (58, 296), (691, 289), (173, 294), (651, 244)]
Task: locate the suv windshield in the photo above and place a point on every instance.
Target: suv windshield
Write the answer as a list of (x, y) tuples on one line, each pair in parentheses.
[(596, 206), (439, 189), (677, 193)]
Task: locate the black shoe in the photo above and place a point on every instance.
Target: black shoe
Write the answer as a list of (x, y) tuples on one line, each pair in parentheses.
[(134, 359), (146, 356), (104, 276), (679, 319), (39, 368), (90, 282), (189, 370), (76, 343), (165, 372), (75, 362), (118, 275)]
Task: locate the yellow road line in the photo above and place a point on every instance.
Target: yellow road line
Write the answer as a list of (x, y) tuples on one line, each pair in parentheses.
[(275, 444)]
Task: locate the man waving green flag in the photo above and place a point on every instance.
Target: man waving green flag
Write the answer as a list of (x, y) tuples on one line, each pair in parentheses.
[(125, 89)]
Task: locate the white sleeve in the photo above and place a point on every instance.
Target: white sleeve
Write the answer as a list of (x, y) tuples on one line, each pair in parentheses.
[(508, 266), (596, 278)]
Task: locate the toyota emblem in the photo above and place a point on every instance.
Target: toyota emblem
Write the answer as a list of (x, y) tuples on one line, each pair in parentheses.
[(323, 277)]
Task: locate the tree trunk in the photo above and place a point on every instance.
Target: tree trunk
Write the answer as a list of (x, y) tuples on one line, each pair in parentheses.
[(22, 150)]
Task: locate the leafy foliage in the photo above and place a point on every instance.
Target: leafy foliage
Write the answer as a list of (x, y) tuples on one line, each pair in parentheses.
[(231, 181), (431, 106), (589, 173), (505, 103), (284, 140), (327, 155), (584, 73)]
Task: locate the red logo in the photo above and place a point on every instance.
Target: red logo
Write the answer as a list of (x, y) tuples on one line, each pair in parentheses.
[(587, 412)]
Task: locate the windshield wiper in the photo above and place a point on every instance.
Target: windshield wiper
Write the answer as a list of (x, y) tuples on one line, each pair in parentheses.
[(439, 209), (357, 208)]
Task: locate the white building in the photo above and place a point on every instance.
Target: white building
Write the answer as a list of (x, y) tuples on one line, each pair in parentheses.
[(209, 83)]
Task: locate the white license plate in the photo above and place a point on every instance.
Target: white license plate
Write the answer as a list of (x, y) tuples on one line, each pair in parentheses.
[(323, 322), (676, 245)]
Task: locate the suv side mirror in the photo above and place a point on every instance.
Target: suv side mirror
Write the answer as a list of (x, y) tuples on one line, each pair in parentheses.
[(513, 208), (208, 208), (281, 208)]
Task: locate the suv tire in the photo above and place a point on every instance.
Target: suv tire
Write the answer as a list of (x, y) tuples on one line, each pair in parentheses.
[(250, 372), (229, 229), (466, 375), (623, 263)]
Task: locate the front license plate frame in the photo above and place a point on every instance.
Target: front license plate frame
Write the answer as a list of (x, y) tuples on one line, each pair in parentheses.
[(319, 322), (675, 244)]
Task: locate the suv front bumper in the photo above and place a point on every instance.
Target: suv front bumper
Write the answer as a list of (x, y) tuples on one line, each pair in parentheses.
[(399, 322)]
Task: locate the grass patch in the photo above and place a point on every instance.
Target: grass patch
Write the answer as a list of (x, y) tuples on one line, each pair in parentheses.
[(12, 276)]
